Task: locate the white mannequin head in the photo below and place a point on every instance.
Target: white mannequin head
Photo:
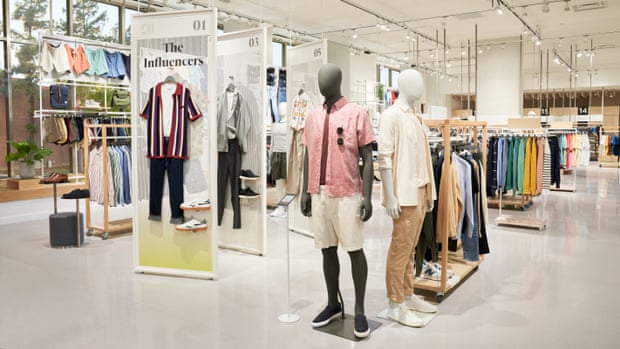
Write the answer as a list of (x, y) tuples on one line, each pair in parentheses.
[(410, 86), (282, 111)]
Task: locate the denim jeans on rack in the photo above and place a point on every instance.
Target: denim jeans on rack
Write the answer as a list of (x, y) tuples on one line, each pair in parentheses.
[(272, 104)]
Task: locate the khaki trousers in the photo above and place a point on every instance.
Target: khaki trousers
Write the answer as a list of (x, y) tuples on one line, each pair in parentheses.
[(400, 257), (294, 180)]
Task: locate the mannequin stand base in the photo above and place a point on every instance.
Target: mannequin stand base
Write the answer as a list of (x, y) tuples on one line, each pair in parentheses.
[(426, 317), (288, 318), (344, 328)]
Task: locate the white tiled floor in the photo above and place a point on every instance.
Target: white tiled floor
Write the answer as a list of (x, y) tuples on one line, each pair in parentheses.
[(550, 289)]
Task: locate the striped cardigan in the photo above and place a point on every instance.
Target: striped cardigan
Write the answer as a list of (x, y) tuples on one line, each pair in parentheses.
[(184, 110)]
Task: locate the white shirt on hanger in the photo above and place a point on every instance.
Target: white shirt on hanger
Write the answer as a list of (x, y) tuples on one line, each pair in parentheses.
[(167, 90)]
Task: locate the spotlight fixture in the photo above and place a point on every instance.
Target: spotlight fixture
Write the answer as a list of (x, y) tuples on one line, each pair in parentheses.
[(524, 11), (537, 42), (566, 6), (463, 53), (499, 9), (579, 54), (448, 65), (480, 50), (545, 7), (488, 48), (387, 28), (354, 35)]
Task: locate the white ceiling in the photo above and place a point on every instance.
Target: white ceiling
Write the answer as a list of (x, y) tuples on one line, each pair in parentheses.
[(559, 29)]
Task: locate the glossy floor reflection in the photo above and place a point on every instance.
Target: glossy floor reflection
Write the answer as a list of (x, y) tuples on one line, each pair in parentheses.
[(551, 289)]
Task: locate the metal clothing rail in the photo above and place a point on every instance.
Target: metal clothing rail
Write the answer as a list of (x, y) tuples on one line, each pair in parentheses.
[(108, 227), (562, 131), (75, 40), (462, 269)]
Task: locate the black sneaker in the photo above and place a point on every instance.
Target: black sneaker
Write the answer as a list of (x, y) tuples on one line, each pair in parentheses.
[(361, 329), (327, 315), (247, 193), (248, 174)]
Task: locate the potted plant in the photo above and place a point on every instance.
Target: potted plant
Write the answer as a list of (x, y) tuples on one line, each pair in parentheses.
[(27, 153)]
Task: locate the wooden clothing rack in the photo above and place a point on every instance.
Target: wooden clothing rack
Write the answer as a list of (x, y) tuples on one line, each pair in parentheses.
[(108, 227), (461, 268), (605, 160), (523, 201)]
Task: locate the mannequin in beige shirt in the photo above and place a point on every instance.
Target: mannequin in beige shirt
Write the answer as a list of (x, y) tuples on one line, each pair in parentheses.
[(408, 193)]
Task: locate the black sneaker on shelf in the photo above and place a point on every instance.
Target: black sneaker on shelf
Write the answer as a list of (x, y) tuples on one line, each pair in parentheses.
[(326, 316), (77, 194), (361, 329), (247, 193), (248, 174)]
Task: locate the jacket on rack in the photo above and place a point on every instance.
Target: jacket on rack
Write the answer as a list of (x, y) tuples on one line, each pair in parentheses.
[(240, 115), (184, 110)]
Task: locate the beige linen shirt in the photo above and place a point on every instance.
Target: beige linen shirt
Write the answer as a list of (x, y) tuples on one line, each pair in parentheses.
[(403, 147)]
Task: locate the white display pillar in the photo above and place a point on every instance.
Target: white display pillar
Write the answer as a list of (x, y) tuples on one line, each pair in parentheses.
[(171, 48), (242, 62), (302, 69)]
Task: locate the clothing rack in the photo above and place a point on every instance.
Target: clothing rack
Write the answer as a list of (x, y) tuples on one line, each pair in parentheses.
[(462, 268), (74, 81), (605, 160), (520, 202), (108, 227), (571, 188), (526, 199)]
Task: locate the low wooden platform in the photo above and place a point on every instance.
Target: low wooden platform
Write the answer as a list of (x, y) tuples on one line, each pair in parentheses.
[(609, 164), (522, 222), (33, 189), (508, 202)]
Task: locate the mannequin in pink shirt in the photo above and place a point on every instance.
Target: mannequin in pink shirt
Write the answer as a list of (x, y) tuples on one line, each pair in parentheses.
[(336, 135)]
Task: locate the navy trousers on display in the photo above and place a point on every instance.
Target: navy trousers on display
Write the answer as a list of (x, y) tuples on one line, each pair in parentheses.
[(159, 167), (229, 169)]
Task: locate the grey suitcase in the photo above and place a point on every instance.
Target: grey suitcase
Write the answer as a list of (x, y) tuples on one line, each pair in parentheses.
[(63, 229)]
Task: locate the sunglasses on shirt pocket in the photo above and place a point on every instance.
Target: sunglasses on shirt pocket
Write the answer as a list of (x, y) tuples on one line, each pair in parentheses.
[(340, 131)]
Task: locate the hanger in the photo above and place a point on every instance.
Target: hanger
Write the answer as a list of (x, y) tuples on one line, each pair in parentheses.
[(170, 80)]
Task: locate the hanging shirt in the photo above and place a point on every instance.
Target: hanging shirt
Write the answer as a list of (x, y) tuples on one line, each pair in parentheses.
[(302, 105), (184, 110), (342, 172), (167, 90)]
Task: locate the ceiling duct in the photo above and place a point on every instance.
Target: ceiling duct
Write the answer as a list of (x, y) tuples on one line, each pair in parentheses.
[(597, 5)]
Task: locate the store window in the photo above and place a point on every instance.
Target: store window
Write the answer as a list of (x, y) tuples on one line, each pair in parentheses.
[(3, 113), (277, 54), (394, 79), (384, 76), (28, 17), (95, 21), (128, 14), (59, 16), (2, 21)]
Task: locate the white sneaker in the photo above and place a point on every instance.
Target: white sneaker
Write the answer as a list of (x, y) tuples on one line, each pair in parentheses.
[(418, 303), (279, 212), (404, 316)]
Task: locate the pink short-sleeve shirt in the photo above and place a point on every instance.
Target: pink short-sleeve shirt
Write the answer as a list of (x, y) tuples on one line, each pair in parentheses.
[(342, 175)]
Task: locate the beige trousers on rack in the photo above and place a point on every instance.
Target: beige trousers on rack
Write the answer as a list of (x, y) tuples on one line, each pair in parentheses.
[(400, 257)]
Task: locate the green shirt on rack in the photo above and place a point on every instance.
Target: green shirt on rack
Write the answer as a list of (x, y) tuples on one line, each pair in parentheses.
[(509, 169), (521, 165)]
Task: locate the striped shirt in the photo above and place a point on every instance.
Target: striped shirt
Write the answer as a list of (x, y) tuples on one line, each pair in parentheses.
[(184, 110)]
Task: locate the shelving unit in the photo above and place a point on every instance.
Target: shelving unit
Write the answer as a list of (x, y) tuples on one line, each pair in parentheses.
[(461, 268), (73, 81)]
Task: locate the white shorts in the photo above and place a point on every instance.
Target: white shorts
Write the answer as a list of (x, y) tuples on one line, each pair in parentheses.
[(337, 219)]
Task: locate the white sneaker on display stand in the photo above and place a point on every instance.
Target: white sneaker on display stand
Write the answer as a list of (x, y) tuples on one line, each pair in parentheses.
[(404, 316), (279, 212), (418, 303)]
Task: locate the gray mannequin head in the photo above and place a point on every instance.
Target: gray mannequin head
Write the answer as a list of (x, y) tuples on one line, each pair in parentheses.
[(330, 79)]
